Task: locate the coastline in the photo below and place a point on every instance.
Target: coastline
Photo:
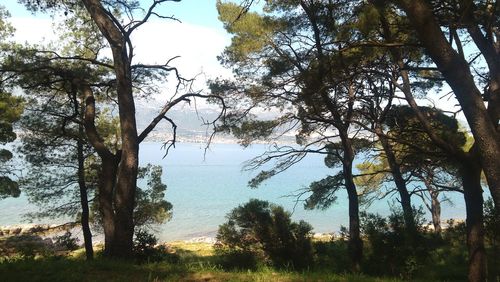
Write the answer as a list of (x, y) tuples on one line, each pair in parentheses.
[(49, 231)]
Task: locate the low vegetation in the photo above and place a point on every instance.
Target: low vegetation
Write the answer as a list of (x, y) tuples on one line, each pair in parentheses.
[(260, 232), (441, 257)]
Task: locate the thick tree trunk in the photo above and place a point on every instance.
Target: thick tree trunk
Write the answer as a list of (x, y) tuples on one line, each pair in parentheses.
[(355, 242), (84, 201), (126, 178), (471, 181), (127, 170), (490, 49), (457, 74), (411, 229), (107, 178)]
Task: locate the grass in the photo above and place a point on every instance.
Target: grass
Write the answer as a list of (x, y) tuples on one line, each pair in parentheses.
[(105, 270), (197, 263)]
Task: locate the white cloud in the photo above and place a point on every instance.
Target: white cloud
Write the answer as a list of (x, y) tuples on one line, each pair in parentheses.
[(155, 43), (33, 30), (197, 47)]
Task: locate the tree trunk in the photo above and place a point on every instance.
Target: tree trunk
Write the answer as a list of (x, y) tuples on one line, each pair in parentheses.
[(435, 205), (126, 178), (127, 170), (436, 211), (457, 74), (355, 243), (471, 181), (87, 235), (411, 229), (107, 178)]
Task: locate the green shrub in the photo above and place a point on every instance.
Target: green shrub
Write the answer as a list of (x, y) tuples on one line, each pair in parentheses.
[(145, 249), (389, 251), (267, 233), (67, 241), (332, 255), (492, 238), (235, 259)]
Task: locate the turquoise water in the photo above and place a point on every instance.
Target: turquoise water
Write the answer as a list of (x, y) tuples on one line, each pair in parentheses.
[(204, 188)]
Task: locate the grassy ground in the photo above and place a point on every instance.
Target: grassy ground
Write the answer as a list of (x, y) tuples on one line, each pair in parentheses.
[(196, 264)]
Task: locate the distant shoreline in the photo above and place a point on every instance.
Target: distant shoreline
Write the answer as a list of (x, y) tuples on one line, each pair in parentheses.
[(51, 230)]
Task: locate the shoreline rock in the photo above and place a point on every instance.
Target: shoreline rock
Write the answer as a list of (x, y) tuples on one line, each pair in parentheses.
[(33, 229)]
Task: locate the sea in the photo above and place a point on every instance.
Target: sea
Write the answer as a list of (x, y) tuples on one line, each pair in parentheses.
[(204, 185)]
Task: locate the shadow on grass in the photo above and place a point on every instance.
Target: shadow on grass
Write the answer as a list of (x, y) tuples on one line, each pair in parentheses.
[(197, 262), (75, 269)]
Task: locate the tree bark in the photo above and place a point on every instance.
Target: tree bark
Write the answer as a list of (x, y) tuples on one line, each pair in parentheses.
[(87, 234), (411, 229), (127, 170), (126, 177), (435, 205), (107, 178), (355, 243), (436, 211), (491, 53), (457, 74), (471, 180)]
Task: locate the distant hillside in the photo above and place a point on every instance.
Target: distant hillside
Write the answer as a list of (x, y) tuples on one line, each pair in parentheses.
[(189, 120)]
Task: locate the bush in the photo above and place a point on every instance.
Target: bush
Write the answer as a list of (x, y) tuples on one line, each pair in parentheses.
[(66, 241), (389, 251), (234, 259), (492, 236), (145, 249), (332, 255), (267, 233)]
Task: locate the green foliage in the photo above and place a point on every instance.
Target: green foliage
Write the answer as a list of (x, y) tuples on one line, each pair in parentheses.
[(151, 207), (389, 251), (492, 223), (67, 241), (8, 187), (261, 177), (11, 108), (49, 148), (405, 126), (252, 31), (323, 192), (6, 29), (335, 151), (492, 237), (372, 174), (417, 157), (68, 269), (236, 259), (146, 249), (333, 254), (267, 232), (254, 130)]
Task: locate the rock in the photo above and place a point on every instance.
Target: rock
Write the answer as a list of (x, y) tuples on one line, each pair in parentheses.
[(202, 239)]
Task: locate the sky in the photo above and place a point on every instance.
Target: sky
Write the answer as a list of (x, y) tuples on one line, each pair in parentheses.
[(198, 38)]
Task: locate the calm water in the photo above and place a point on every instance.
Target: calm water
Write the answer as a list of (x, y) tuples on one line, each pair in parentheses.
[(204, 189)]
